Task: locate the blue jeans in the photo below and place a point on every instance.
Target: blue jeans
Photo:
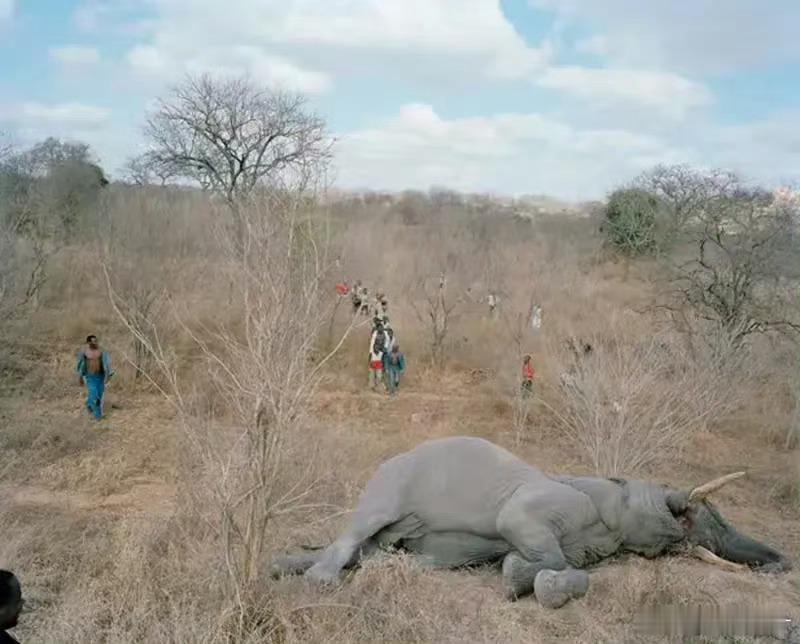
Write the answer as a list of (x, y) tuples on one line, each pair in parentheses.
[(96, 384), (393, 378)]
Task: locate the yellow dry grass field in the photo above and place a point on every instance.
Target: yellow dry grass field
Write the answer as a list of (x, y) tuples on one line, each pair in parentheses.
[(98, 519)]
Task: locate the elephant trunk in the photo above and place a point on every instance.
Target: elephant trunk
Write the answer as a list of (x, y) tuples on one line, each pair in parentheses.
[(740, 548)]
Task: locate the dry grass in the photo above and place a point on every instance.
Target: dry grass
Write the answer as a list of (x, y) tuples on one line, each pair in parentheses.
[(103, 523)]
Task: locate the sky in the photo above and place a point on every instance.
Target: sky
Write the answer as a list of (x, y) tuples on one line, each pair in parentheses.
[(567, 98)]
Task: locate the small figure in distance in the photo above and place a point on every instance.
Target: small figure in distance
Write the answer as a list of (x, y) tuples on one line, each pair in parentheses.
[(343, 288), (11, 603), (528, 374), (356, 297)]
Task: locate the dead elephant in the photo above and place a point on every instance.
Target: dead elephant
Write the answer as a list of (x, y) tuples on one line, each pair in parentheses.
[(464, 501)]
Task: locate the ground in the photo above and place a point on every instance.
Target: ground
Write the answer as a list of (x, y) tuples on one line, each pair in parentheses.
[(67, 483)]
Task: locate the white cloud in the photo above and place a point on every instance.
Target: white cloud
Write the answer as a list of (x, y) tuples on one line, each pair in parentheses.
[(61, 114), (594, 45), (75, 55), (278, 71), (112, 17), (537, 153), (512, 153), (445, 27), (702, 36), (668, 94), (315, 39), (147, 60), (87, 15), (271, 70), (767, 149), (6, 9)]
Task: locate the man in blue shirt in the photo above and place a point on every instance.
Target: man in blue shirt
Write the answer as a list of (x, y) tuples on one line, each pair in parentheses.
[(395, 367), (94, 369)]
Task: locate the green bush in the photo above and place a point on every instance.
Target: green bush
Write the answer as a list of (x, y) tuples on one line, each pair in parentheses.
[(630, 220)]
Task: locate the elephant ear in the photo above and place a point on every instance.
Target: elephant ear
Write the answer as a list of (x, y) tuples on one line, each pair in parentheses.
[(677, 502), (623, 483)]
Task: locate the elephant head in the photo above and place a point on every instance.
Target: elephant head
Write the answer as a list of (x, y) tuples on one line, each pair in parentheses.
[(715, 540), (659, 519)]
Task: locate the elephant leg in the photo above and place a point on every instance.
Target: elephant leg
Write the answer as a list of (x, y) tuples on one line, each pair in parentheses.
[(297, 564), (538, 565), (338, 555), (552, 588), (293, 564), (455, 549)]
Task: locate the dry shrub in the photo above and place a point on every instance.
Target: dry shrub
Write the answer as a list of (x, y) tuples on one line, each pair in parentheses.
[(391, 598), (630, 403), (102, 579)]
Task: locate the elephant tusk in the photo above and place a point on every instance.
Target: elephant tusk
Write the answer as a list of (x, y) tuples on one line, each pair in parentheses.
[(702, 491), (709, 557)]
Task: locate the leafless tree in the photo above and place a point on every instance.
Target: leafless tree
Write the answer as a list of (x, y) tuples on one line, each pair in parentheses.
[(146, 169), (743, 263), (230, 136), (6, 268), (6, 236), (516, 325), (436, 308), (6, 147), (793, 430), (253, 452), (684, 192), (140, 261), (26, 229), (629, 405), (437, 286)]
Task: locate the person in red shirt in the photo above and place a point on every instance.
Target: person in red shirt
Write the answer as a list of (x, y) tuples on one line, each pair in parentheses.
[(528, 374)]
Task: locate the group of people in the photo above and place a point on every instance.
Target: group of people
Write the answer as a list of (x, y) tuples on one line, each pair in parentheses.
[(387, 363), (366, 304)]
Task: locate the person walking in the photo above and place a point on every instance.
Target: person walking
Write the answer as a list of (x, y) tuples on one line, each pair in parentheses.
[(94, 370), (375, 366), (528, 374), (395, 368), (355, 295), (390, 342), (378, 347)]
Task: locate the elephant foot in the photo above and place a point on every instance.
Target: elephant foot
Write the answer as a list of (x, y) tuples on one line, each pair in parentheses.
[(518, 576), (286, 564), (323, 576), (554, 588)]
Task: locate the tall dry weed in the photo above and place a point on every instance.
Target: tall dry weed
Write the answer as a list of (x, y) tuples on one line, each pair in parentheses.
[(634, 400)]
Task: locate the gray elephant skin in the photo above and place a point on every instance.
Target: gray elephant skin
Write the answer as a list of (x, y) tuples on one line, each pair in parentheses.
[(464, 501)]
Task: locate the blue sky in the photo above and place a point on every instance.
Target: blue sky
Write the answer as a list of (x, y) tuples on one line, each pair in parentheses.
[(561, 97)]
